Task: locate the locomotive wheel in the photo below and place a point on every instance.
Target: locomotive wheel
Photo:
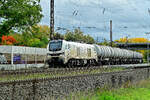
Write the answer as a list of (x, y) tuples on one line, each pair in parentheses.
[(88, 63), (70, 63)]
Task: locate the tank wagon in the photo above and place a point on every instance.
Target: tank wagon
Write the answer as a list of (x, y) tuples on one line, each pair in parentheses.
[(68, 53), (113, 56)]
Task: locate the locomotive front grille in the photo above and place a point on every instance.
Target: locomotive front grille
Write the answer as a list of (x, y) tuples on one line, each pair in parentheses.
[(56, 54)]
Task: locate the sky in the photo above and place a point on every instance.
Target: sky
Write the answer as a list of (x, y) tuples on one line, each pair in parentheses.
[(130, 18)]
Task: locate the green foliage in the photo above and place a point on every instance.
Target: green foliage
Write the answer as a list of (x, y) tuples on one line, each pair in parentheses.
[(145, 55), (18, 37), (124, 94), (88, 39), (77, 35), (58, 36), (36, 36), (35, 43), (69, 36), (19, 14), (138, 91), (107, 43)]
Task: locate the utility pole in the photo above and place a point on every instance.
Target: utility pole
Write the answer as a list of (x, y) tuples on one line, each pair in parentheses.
[(111, 33), (126, 42), (97, 39), (147, 33), (51, 36), (148, 52)]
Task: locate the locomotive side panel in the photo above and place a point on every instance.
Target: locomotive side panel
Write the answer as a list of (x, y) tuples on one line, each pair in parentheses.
[(81, 51)]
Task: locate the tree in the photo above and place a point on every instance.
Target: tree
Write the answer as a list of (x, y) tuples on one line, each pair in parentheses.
[(8, 40), (19, 15), (88, 39), (105, 42), (132, 40), (69, 36), (18, 37), (138, 40), (121, 40), (35, 42), (58, 36), (77, 35), (36, 36), (40, 31)]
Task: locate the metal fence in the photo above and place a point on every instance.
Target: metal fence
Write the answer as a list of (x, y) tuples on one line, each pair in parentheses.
[(15, 57)]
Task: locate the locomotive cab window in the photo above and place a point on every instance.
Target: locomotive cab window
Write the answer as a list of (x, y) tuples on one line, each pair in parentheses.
[(55, 46)]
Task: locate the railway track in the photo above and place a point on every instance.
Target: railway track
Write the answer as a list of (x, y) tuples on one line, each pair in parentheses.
[(28, 75), (66, 70), (49, 70)]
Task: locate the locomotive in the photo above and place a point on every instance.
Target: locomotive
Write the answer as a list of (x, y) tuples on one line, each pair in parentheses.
[(62, 52)]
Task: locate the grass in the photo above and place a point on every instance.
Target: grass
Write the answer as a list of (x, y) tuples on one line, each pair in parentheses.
[(139, 91), (53, 75), (123, 94)]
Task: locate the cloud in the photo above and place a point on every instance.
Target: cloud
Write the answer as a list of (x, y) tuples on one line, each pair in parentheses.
[(79, 2), (129, 16)]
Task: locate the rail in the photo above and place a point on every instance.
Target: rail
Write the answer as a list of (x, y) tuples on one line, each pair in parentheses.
[(61, 70)]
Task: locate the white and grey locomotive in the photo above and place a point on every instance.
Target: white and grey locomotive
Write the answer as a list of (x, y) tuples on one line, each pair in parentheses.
[(80, 54)]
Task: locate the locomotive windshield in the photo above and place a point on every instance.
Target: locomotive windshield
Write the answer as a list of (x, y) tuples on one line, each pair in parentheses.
[(55, 46)]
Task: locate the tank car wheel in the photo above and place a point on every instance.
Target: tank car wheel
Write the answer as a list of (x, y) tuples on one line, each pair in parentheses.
[(88, 63)]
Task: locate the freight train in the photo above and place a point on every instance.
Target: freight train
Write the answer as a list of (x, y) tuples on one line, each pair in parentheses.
[(73, 54)]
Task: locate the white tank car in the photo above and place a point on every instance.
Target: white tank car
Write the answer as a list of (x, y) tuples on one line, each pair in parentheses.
[(70, 53), (107, 55)]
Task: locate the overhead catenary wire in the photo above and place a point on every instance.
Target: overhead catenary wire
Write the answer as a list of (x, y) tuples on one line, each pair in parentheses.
[(77, 15)]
